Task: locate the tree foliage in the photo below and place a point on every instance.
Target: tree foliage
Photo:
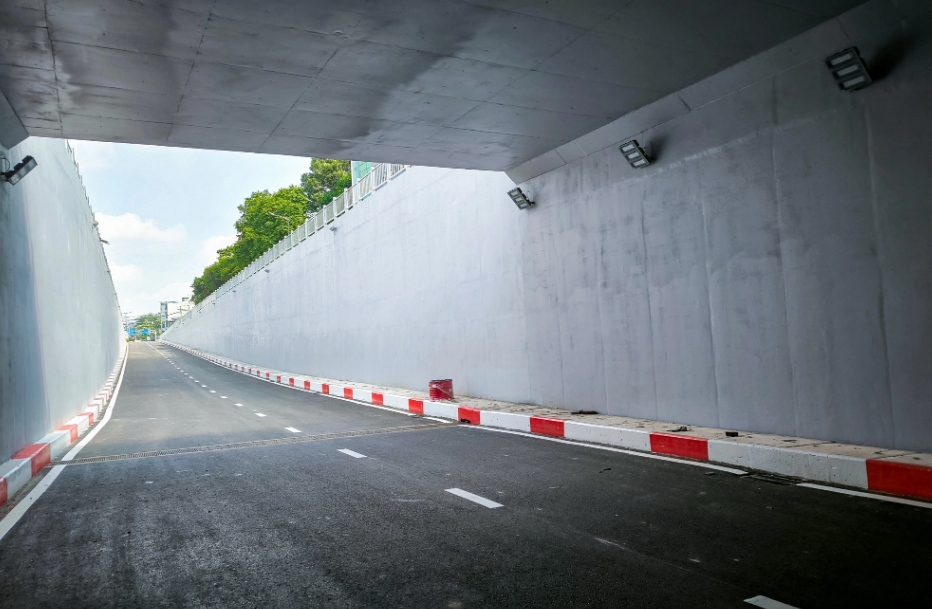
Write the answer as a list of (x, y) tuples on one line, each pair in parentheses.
[(325, 181), (150, 321), (266, 218)]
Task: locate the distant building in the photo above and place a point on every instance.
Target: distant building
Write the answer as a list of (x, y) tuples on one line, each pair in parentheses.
[(360, 169), (170, 310)]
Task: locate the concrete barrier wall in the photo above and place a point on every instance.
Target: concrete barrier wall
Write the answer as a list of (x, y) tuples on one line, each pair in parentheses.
[(420, 281), (770, 272), (60, 328)]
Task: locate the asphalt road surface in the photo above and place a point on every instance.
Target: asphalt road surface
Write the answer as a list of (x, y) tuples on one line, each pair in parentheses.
[(323, 502)]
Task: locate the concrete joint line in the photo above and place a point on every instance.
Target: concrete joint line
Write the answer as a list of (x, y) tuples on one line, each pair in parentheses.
[(254, 444)]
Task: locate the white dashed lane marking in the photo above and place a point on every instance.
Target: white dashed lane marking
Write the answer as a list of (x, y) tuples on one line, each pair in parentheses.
[(767, 603), (259, 414), (352, 453), (223, 397), (240, 405), (474, 498), (293, 430), (212, 391)]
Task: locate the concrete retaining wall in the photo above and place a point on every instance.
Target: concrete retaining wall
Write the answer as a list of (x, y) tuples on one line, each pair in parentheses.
[(420, 281), (770, 272), (60, 329)]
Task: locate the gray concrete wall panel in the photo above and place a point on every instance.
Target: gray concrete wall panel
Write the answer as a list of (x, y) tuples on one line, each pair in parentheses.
[(60, 328), (746, 293)]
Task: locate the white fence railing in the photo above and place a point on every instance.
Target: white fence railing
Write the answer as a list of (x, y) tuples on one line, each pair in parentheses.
[(380, 175)]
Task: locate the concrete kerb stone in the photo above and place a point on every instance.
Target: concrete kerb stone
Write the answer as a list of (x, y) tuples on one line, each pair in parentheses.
[(16, 472), (861, 467)]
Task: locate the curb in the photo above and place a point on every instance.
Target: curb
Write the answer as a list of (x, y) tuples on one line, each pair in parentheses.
[(897, 472), (18, 471)]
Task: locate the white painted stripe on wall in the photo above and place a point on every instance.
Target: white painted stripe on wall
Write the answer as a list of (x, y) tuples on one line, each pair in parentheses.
[(474, 498), (17, 473), (395, 401), (836, 469), (603, 434), (440, 409), (507, 420), (58, 441)]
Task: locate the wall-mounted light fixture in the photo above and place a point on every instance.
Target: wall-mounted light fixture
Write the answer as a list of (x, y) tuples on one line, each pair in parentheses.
[(634, 154), (19, 172), (849, 70), (520, 198), (333, 229)]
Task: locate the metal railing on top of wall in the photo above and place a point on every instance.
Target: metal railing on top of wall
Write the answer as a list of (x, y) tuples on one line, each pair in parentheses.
[(380, 175)]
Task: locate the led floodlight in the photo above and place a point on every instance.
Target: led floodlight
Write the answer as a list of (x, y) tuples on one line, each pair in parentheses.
[(19, 172), (849, 70), (634, 154), (520, 198)]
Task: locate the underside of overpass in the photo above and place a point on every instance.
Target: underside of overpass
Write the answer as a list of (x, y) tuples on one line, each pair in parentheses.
[(480, 84)]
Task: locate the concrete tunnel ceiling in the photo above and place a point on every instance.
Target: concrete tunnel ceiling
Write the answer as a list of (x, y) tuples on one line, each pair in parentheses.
[(484, 84)]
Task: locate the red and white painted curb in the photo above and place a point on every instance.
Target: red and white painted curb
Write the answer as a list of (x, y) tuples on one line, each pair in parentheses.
[(15, 473), (897, 472)]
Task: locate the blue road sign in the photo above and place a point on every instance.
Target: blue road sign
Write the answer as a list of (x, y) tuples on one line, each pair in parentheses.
[(132, 331)]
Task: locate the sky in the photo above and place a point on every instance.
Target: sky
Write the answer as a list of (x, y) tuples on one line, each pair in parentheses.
[(166, 211)]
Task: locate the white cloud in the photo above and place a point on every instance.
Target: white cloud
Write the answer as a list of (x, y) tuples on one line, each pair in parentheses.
[(130, 227), (125, 273), (140, 303), (210, 247)]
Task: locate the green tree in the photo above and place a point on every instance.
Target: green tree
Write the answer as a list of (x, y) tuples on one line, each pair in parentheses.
[(150, 321), (265, 219), (216, 274), (326, 180)]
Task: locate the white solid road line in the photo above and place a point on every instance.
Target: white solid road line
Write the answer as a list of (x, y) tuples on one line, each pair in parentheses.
[(440, 420), (293, 430), (17, 512), (385, 408), (10, 520), (474, 498), (845, 491), (767, 603), (352, 453), (704, 464), (259, 414)]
